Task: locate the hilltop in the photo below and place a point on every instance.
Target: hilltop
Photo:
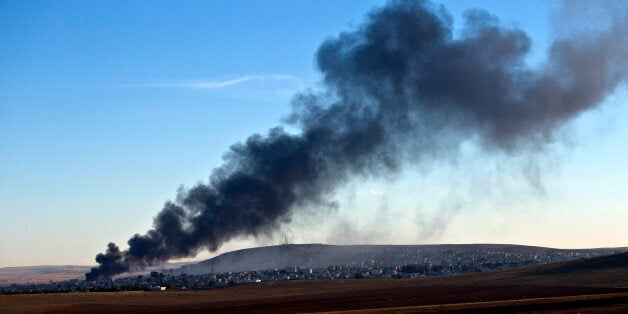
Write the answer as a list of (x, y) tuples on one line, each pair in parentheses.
[(321, 255)]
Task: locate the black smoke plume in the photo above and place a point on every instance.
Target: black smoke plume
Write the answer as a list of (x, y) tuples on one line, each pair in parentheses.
[(399, 88)]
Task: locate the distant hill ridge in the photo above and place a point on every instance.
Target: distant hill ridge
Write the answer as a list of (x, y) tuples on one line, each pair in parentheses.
[(43, 273), (319, 255)]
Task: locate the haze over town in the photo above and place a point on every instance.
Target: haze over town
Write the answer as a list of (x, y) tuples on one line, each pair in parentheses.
[(108, 109)]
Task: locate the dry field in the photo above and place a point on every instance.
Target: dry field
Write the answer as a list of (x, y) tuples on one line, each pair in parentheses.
[(316, 296)]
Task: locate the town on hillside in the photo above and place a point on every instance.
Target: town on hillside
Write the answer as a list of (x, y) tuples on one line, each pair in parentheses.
[(381, 261)]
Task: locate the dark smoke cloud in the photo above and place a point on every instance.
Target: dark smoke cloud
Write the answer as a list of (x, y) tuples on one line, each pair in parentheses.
[(399, 89)]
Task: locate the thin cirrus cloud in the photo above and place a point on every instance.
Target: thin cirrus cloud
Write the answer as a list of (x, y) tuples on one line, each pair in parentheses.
[(250, 86), (218, 83)]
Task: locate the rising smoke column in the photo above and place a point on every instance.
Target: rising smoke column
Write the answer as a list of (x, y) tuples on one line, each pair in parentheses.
[(400, 88)]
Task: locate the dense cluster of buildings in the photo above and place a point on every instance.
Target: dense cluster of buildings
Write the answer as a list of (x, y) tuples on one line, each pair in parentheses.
[(446, 263)]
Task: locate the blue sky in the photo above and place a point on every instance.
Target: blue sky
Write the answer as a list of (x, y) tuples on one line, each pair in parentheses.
[(107, 107)]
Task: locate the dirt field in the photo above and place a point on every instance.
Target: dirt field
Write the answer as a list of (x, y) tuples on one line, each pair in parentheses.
[(317, 296)]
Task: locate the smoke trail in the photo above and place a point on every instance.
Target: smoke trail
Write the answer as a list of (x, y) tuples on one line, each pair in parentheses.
[(399, 88)]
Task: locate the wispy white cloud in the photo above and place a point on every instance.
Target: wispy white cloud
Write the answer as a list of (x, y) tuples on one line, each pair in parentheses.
[(217, 83), (257, 87)]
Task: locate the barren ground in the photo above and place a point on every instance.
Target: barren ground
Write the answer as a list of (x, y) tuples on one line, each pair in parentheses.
[(313, 296)]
